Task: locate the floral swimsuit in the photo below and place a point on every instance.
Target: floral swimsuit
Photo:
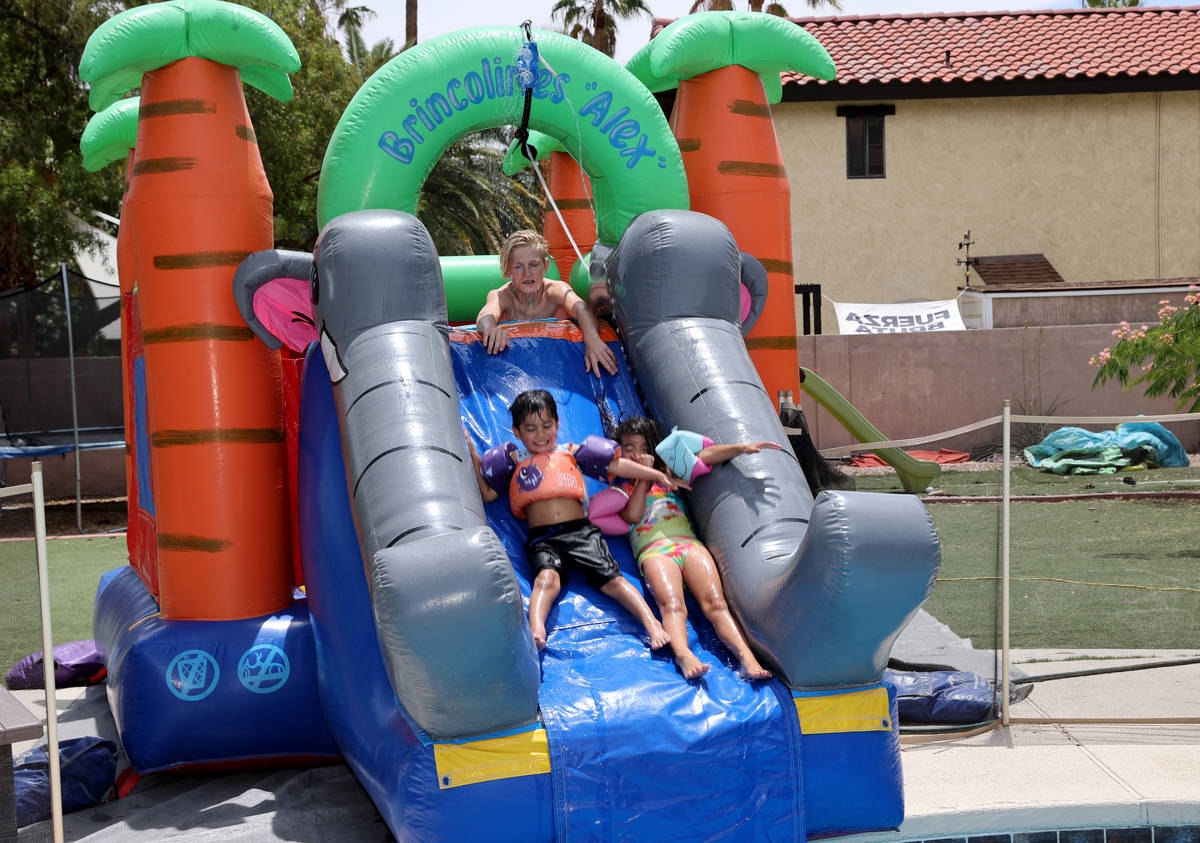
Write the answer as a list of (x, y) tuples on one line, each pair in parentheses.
[(664, 528)]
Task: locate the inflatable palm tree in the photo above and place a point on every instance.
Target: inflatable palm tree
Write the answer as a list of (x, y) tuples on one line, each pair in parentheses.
[(199, 201), (726, 66)]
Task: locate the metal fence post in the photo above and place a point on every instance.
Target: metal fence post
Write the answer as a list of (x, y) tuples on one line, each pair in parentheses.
[(1004, 567)]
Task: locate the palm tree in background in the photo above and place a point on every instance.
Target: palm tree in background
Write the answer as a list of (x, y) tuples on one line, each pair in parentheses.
[(594, 22), (350, 21), (410, 23), (469, 204), (368, 60)]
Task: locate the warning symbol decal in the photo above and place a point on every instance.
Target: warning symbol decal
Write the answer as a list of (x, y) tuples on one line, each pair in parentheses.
[(263, 668), (192, 675)]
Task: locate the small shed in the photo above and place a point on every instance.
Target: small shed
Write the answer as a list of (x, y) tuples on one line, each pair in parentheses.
[(1019, 291)]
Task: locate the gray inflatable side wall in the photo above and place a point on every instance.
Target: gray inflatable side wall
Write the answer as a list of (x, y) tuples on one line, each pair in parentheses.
[(843, 576), (448, 609)]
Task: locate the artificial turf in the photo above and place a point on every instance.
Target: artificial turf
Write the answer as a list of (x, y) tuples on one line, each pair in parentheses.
[(75, 567), (1085, 574)]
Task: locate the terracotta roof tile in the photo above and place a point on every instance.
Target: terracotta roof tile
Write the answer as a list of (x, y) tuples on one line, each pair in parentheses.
[(1146, 41)]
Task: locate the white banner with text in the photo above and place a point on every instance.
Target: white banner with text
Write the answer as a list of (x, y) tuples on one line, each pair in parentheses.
[(907, 318)]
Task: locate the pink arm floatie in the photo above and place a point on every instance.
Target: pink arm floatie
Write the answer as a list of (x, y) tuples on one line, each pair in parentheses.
[(604, 511)]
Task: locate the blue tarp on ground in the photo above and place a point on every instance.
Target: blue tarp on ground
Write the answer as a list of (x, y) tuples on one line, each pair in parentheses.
[(1073, 450)]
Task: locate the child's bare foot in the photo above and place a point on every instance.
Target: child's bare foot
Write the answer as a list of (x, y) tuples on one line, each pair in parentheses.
[(539, 634), (690, 666), (659, 637), (752, 670)]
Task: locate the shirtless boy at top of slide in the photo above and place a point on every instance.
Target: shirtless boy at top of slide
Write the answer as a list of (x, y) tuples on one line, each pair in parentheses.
[(530, 295)]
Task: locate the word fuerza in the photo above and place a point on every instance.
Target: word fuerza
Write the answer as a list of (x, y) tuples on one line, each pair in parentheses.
[(908, 323)]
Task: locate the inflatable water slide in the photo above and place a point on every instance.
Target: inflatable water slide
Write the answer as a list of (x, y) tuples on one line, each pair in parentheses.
[(401, 645)]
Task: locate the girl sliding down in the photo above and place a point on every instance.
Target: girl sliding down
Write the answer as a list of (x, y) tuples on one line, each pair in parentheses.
[(668, 552)]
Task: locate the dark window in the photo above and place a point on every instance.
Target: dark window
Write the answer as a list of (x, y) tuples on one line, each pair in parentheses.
[(864, 140)]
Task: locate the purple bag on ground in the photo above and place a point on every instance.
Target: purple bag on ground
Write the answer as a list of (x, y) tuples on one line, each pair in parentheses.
[(75, 663)]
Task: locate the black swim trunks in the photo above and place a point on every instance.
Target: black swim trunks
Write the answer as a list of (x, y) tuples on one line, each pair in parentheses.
[(578, 542)]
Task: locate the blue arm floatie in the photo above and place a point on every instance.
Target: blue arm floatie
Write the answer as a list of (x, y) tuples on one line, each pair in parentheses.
[(680, 450)]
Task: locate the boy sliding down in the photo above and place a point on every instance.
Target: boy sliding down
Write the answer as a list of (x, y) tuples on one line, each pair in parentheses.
[(545, 487)]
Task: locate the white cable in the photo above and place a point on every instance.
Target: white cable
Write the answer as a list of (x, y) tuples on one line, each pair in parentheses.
[(545, 189)]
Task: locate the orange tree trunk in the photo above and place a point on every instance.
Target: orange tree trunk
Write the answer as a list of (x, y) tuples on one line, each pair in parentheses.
[(569, 187), (199, 203), (736, 174)]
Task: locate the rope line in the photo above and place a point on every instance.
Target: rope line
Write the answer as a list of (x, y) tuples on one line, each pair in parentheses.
[(846, 450)]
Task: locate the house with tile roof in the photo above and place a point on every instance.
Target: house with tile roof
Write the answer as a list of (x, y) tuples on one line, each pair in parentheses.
[(1072, 136)]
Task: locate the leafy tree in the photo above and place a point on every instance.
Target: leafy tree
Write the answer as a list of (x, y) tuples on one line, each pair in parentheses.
[(594, 22), (1110, 4), (44, 190), (468, 202), (43, 185), (350, 21), (1164, 358)]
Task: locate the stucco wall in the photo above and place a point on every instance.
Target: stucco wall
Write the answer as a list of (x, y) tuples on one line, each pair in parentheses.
[(911, 385), (1107, 186)]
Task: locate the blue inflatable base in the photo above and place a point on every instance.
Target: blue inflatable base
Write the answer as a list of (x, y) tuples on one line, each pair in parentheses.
[(228, 693)]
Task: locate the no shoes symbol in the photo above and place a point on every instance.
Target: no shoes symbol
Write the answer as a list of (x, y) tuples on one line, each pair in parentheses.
[(263, 668), (192, 675)]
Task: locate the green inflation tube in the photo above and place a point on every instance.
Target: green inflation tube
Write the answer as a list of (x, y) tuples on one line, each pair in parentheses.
[(407, 114)]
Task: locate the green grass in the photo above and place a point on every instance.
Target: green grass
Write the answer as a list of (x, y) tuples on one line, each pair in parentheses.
[(75, 567), (1148, 545), (1085, 574)]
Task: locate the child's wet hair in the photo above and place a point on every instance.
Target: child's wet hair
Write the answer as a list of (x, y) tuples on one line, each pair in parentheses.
[(533, 402), (648, 429), (524, 237)]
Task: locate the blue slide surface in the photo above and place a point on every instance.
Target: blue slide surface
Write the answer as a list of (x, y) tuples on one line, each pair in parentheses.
[(618, 716)]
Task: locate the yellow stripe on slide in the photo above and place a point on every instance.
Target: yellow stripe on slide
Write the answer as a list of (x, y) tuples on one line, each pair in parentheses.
[(525, 754), (857, 711)]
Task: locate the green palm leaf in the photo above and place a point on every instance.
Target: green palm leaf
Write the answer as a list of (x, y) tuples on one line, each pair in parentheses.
[(110, 134), (706, 41), (594, 22), (146, 38)]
